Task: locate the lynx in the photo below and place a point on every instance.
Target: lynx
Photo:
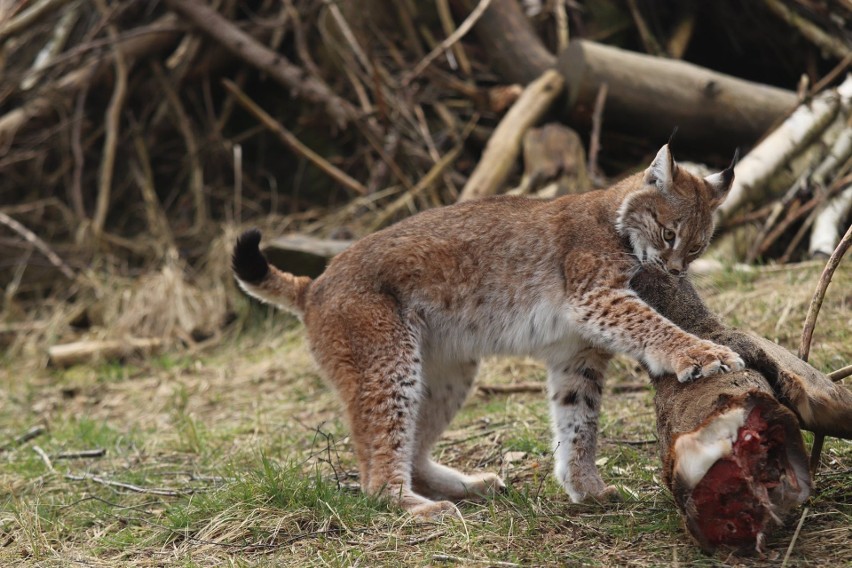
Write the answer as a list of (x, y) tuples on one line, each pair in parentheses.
[(399, 321)]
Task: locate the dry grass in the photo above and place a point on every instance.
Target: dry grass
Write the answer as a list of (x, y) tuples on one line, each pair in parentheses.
[(252, 465)]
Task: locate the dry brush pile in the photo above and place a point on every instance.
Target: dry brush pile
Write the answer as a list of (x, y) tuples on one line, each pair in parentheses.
[(137, 136)]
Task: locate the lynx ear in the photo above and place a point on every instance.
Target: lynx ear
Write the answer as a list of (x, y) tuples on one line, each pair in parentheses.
[(721, 181), (662, 170)]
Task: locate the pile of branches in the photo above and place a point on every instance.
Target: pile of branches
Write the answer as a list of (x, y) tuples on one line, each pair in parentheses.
[(132, 131)]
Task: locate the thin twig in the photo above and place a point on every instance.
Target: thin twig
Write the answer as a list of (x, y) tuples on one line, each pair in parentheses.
[(45, 458), (196, 175), (810, 323), (426, 182), (30, 434), (442, 47), (652, 46), (292, 142), (127, 486), (513, 388), (451, 558), (595, 140), (32, 238), (82, 454), (447, 23), (111, 124), (795, 536)]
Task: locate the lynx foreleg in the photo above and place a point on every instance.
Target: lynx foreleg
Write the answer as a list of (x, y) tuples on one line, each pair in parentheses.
[(574, 388), (620, 321)]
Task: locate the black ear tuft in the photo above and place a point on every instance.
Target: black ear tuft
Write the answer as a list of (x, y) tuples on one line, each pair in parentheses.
[(671, 138), (728, 173), (248, 262)]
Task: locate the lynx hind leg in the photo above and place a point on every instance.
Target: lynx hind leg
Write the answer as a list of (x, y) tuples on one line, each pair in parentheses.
[(372, 356), (447, 385), (575, 386)]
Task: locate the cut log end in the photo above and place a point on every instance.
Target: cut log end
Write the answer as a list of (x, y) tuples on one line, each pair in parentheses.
[(746, 493)]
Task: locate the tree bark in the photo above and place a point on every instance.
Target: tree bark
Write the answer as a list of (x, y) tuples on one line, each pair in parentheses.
[(652, 96)]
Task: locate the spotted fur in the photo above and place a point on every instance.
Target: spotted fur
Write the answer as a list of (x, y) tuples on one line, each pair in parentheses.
[(399, 321)]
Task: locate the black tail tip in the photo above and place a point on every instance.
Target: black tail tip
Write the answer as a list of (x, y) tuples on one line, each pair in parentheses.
[(248, 262)]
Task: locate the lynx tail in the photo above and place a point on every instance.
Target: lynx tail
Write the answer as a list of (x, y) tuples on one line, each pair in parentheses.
[(263, 281)]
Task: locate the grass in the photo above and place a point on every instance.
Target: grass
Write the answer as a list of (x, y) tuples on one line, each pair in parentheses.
[(238, 456)]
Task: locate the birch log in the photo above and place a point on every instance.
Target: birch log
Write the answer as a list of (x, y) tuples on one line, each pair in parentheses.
[(807, 122), (826, 232)]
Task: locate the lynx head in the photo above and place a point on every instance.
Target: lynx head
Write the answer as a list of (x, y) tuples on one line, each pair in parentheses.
[(669, 221)]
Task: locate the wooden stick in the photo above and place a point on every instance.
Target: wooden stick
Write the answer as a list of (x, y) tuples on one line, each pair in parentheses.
[(30, 434), (45, 458), (292, 142), (780, 146), (505, 144), (69, 354), (795, 537), (460, 32), (122, 485), (96, 453), (810, 323), (513, 388)]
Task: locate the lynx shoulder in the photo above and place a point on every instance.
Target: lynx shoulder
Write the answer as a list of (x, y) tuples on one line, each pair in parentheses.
[(399, 321)]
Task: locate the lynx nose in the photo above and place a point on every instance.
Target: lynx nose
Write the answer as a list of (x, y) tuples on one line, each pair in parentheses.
[(675, 266)]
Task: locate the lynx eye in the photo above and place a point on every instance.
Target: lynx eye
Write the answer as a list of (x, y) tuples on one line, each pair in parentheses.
[(696, 249), (668, 235)]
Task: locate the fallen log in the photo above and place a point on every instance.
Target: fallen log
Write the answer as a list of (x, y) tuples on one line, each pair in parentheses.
[(732, 453), (652, 96)]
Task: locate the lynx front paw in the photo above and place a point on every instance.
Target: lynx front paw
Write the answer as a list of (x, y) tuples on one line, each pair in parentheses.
[(706, 359)]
